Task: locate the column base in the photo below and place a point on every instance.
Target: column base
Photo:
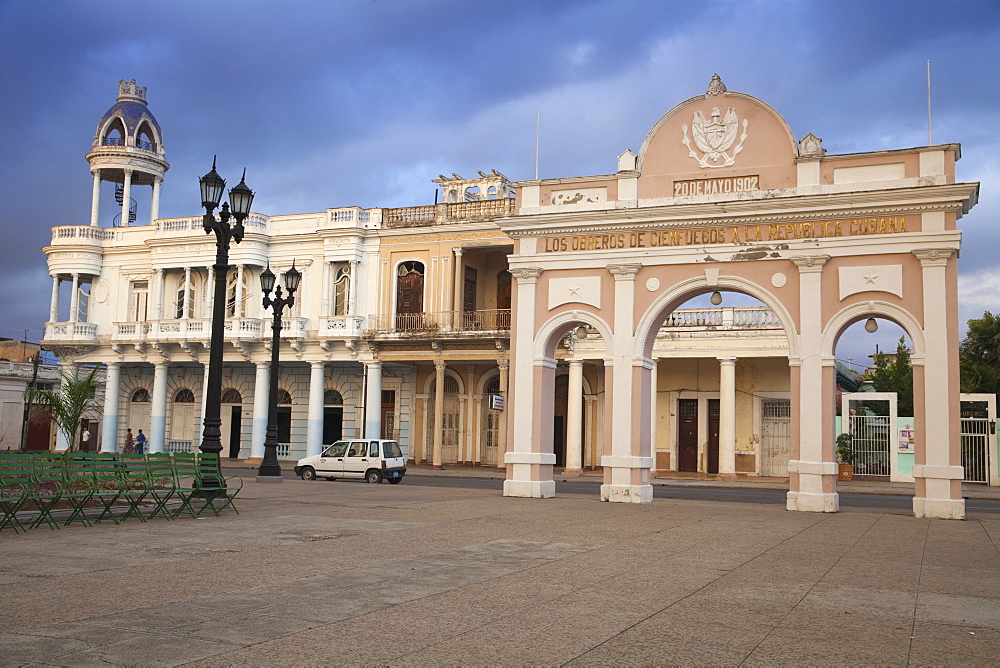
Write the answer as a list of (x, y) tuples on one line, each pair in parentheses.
[(531, 489), (726, 477), (270, 478), (256, 461), (627, 493), (437, 467), (827, 502), (939, 509), (572, 472)]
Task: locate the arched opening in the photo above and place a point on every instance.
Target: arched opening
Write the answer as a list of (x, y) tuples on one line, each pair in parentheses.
[(284, 402), (333, 417), (490, 421), (451, 420), (232, 421), (181, 437), (114, 133), (139, 410), (145, 139), (410, 296), (874, 400)]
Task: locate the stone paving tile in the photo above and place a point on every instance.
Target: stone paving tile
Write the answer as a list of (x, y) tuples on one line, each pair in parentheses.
[(937, 644), (148, 649), (831, 644), (960, 610)]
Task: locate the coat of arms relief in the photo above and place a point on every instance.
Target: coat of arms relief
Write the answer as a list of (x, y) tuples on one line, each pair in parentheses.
[(714, 136)]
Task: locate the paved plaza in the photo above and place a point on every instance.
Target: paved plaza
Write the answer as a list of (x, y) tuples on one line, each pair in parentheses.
[(350, 573)]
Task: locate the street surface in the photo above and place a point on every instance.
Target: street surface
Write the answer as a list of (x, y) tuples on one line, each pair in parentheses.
[(448, 571)]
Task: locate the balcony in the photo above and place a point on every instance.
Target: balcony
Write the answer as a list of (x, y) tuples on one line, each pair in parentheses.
[(724, 318), (340, 326), (444, 214), (70, 332), (444, 324)]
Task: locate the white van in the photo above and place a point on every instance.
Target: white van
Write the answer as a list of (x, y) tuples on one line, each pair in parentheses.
[(374, 460)]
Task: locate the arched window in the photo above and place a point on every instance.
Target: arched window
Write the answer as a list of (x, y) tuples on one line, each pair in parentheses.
[(114, 134), (231, 396), (144, 138), (184, 396), (451, 421), (491, 425), (332, 398), (341, 289), (140, 396), (284, 398), (333, 416), (409, 295), (491, 193)]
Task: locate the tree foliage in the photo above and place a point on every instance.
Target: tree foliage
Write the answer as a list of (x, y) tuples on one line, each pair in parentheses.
[(979, 355), (71, 403), (895, 375)]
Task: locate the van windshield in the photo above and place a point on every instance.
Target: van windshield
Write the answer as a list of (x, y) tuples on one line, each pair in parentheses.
[(391, 449)]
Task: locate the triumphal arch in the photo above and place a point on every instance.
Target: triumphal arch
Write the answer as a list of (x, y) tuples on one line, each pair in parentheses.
[(722, 197)]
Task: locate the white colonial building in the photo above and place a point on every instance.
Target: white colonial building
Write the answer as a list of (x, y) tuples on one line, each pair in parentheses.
[(562, 296)]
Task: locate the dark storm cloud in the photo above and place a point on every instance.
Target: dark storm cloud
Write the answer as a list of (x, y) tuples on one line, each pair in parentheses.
[(361, 103)]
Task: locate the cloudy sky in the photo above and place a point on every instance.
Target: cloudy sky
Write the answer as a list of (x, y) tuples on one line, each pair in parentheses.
[(361, 102)]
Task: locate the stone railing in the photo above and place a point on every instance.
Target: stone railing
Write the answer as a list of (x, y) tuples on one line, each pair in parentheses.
[(724, 317), (130, 331), (442, 322), (340, 325), (70, 331), (174, 445), (76, 234), (441, 214)]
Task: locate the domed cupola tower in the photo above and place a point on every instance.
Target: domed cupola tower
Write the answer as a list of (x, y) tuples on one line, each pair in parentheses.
[(128, 151)]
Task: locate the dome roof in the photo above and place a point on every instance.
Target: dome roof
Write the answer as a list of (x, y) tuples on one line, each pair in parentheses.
[(130, 108)]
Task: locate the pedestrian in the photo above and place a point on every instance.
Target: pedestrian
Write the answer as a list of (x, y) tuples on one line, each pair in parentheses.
[(85, 440), (140, 443), (129, 448)]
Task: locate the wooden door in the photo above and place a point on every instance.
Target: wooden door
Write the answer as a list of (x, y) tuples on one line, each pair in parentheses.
[(409, 295), (713, 436), (503, 300), (687, 435)]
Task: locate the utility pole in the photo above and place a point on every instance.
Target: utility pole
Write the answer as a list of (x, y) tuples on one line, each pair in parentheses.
[(35, 360)]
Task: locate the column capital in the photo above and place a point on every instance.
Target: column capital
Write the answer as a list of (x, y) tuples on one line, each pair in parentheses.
[(527, 275), (458, 251), (809, 264), (320, 364), (575, 361), (933, 257), (726, 361), (624, 272), (373, 363), (440, 365), (503, 364)]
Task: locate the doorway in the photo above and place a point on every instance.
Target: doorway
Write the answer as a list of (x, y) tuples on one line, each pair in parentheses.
[(712, 465), (687, 435)]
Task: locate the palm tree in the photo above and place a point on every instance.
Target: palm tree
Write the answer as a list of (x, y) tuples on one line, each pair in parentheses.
[(980, 355), (74, 400)]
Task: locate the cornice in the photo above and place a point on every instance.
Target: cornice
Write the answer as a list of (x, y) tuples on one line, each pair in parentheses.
[(951, 197)]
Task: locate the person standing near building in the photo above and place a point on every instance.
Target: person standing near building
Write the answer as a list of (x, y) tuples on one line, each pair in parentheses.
[(140, 443), (128, 448), (85, 440)]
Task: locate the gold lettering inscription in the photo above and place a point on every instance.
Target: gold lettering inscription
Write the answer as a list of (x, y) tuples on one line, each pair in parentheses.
[(737, 234), (719, 186)]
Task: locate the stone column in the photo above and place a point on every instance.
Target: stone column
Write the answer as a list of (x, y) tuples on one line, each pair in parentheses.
[(126, 197), (158, 416), (261, 391), (727, 418), (591, 431), (812, 470), (373, 399), (314, 425), (210, 291), (529, 472), (112, 388), (352, 289), (324, 306), (439, 367), (54, 302), (574, 419), (937, 469), (186, 306), (74, 302), (627, 468), (653, 410), (154, 205), (160, 286), (468, 429), (458, 301), (503, 365), (424, 412), (238, 305), (95, 200)]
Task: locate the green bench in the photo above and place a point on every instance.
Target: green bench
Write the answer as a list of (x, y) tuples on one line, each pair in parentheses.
[(106, 482)]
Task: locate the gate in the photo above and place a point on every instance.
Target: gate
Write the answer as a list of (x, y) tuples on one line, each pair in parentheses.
[(775, 427), (978, 437), (873, 426)]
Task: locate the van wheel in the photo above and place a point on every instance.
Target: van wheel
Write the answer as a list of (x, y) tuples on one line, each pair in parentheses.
[(395, 481), (331, 479), (308, 473), (374, 477)]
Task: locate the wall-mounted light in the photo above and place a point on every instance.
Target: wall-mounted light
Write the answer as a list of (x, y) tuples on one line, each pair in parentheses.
[(716, 298), (871, 326), (581, 332)]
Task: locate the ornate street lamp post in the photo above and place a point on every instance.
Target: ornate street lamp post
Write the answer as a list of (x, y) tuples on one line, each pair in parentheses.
[(270, 470), (238, 207)]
